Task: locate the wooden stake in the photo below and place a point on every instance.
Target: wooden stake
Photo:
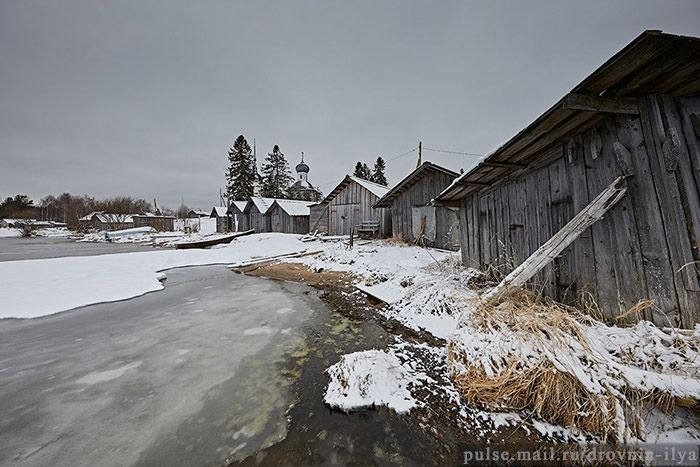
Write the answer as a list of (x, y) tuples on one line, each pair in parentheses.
[(559, 241)]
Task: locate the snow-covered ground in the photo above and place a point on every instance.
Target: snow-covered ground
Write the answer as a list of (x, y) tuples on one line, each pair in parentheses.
[(186, 230), (426, 290), (429, 291), (5, 232), (34, 288)]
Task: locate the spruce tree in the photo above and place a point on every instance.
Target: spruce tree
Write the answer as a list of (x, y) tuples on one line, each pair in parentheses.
[(276, 176), (378, 175), (359, 172), (240, 175)]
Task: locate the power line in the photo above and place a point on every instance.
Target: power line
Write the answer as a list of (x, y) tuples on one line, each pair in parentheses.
[(404, 154), (454, 152)]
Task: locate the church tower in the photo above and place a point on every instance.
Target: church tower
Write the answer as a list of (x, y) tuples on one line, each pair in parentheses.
[(302, 189)]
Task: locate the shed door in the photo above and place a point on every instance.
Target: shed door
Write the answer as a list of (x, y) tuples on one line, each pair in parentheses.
[(343, 218)]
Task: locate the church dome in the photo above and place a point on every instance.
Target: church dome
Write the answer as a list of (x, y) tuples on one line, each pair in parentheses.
[(302, 167)]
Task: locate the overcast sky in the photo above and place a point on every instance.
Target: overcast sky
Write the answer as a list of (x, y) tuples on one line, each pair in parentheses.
[(144, 98)]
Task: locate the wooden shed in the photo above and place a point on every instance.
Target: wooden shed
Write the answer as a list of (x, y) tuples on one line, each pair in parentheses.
[(636, 116), (99, 220), (351, 203), (254, 214), (413, 217), (222, 220), (318, 218), (289, 216), (236, 217), (160, 223)]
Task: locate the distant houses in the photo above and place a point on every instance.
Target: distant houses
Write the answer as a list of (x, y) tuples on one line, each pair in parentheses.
[(356, 206), (100, 220), (158, 222)]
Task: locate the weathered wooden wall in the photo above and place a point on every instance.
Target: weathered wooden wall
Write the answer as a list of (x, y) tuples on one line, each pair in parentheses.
[(282, 222), (647, 246), (162, 224), (243, 220), (257, 220), (318, 220), (352, 206), (419, 194)]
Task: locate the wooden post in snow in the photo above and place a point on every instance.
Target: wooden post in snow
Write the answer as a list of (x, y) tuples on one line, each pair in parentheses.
[(559, 241)]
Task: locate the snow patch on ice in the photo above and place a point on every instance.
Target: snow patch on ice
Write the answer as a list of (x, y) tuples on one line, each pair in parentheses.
[(71, 282), (6, 233), (109, 375), (260, 330), (370, 378)]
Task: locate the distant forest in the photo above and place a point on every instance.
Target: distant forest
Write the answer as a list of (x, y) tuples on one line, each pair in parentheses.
[(69, 208)]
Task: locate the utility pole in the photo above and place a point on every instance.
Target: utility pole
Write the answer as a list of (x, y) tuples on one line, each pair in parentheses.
[(420, 154)]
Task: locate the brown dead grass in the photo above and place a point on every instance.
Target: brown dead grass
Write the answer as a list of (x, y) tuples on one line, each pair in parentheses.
[(541, 389)]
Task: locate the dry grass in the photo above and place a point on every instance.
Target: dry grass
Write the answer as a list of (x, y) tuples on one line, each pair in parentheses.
[(538, 386), (396, 240)]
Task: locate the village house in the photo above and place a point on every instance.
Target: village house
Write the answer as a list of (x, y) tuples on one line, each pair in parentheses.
[(349, 208), (99, 220), (636, 116), (289, 216), (195, 213), (413, 217), (160, 223)]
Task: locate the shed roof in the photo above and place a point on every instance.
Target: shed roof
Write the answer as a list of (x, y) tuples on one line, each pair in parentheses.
[(423, 170), (374, 188), (240, 205), (219, 211), (653, 63), (262, 204), (292, 207)]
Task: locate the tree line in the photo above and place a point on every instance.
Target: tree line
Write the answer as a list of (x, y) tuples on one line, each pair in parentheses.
[(242, 176), (70, 208), (376, 174)]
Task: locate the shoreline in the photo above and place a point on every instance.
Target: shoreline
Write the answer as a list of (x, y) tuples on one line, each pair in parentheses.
[(437, 418)]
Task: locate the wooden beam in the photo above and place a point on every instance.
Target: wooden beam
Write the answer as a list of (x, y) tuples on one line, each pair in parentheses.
[(615, 105), (559, 241), (504, 165), (471, 183)]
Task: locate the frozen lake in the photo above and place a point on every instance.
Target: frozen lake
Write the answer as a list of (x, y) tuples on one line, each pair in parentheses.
[(216, 368), (16, 248), (164, 379)]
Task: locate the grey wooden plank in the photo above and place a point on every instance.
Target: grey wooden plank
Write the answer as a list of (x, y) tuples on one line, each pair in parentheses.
[(672, 213), (585, 282)]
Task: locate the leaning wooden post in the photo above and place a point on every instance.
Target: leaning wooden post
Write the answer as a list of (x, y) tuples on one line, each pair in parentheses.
[(559, 241)]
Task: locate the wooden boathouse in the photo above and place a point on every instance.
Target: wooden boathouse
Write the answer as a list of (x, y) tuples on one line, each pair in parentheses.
[(413, 216), (637, 116)]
